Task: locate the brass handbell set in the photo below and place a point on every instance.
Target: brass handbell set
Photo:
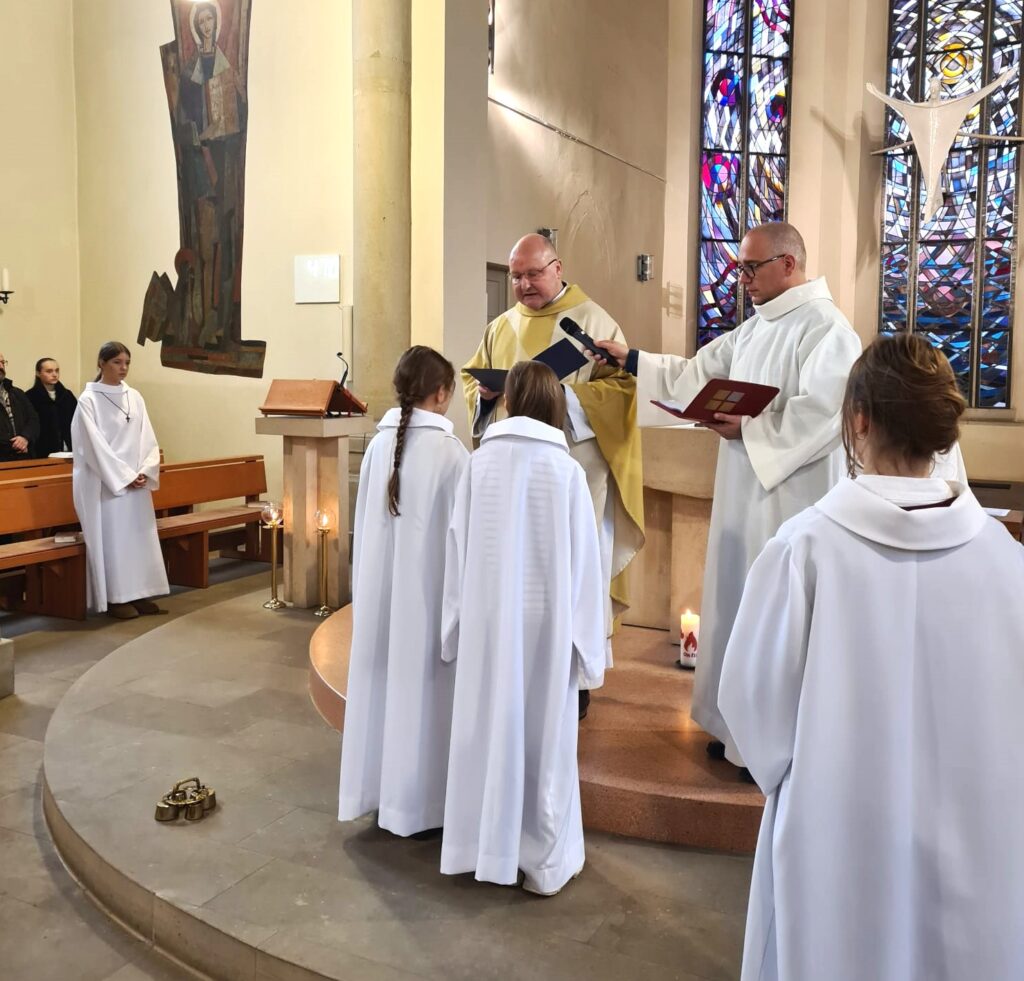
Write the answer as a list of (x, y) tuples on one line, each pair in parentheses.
[(189, 798)]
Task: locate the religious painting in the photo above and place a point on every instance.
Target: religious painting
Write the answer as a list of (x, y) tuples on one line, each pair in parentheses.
[(744, 145), (951, 277), (198, 318)]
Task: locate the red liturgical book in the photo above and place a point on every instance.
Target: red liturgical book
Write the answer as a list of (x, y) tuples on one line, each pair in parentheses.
[(737, 398)]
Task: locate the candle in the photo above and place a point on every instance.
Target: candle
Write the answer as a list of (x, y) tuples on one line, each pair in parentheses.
[(689, 631), (5, 281)]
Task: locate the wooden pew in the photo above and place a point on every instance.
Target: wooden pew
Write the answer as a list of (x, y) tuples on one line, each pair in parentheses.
[(55, 574), (30, 469), (189, 536)]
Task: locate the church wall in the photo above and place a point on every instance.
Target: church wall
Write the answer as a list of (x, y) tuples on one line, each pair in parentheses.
[(298, 201), (596, 70), (39, 221)]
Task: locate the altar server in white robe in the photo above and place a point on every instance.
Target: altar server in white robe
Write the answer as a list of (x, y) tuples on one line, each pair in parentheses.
[(874, 683), (398, 704), (524, 615), (772, 466), (116, 468)]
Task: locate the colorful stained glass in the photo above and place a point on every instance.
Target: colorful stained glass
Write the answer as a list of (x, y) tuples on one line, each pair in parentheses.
[(1000, 201), (767, 125), (897, 205), (956, 345), (746, 81), (945, 280), (994, 369), (720, 176), (723, 102), (766, 198), (957, 217), (952, 278), (895, 281), (725, 25), (772, 22), (717, 286)]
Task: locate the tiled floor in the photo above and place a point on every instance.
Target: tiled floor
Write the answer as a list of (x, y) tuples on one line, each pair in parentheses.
[(220, 691)]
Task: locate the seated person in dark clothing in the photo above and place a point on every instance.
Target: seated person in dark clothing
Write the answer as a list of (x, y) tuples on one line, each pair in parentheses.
[(55, 406), (19, 424)]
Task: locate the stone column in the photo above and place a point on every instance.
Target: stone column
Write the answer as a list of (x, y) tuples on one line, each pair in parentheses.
[(381, 67)]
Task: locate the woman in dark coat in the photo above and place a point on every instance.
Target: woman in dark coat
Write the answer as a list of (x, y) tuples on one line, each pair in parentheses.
[(55, 406)]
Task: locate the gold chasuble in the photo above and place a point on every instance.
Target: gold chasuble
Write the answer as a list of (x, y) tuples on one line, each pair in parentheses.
[(607, 396)]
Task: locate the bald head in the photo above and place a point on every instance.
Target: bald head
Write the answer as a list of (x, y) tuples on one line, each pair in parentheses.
[(772, 259), (533, 248), (782, 237), (535, 270)]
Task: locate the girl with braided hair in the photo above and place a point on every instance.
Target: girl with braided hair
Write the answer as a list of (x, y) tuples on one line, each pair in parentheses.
[(394, 755)]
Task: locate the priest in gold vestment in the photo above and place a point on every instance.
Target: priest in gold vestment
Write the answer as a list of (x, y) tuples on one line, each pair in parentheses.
[(601, 423)]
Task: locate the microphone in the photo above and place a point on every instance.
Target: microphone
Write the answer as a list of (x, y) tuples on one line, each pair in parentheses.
[(344, 376), (575, 331)]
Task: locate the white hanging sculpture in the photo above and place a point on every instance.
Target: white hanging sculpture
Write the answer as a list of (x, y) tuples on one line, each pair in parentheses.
[(934, 125)]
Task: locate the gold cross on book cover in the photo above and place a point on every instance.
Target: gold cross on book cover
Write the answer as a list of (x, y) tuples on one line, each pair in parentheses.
[(736, 398)]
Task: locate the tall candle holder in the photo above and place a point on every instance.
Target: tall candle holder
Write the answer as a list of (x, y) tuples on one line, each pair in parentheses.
[(323, 519), (273, 517)]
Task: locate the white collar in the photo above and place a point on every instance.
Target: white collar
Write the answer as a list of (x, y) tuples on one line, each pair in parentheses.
[(796, 296), (866, 513), (420, 419), (909, 491), (101, 387), (560, 294), (526, 428)]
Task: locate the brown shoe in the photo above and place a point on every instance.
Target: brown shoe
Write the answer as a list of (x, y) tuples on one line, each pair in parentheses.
[(145, 607), (122, 611)]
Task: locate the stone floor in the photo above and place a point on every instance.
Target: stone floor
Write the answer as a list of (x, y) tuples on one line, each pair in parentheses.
[(49, 929), (348, 901)]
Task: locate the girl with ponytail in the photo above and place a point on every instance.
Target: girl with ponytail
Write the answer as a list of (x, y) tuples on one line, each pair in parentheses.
[(394, 757)]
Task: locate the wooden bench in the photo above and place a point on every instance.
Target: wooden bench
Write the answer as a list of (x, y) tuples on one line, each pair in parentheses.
[(30, 469), (55, 582), (190, 536)]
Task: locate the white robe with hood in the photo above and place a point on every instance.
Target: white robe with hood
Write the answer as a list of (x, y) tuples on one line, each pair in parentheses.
[(123, 553), (524, 615), (874, 684), (398, 704), (789, 456)]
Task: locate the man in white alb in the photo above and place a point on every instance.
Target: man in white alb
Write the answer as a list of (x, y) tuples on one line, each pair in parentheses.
[(770, 467)]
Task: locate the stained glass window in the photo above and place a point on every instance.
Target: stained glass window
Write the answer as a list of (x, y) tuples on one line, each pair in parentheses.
[(744, 144), (951, 278)]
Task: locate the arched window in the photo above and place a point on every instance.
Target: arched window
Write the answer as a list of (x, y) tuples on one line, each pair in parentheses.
[(744, 145), (951, 279)]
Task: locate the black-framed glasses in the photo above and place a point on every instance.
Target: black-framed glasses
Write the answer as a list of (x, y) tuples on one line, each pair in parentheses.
[(749, 269), (531, 275)]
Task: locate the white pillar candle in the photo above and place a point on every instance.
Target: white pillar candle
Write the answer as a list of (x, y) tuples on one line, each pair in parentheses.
[(5, 281), (689, 631)]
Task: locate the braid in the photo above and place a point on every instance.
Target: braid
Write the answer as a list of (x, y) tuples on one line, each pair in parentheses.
[(406, 404)]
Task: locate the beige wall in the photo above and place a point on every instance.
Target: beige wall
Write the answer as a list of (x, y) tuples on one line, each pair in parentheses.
[(596, 70), (38, 211), (298, 200)]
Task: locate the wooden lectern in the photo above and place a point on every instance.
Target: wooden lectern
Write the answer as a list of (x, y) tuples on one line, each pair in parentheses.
[(292, 397), (316, 475)]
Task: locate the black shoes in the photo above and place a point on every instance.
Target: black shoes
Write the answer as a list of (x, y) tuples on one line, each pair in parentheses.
[(716, 750), (584, 703)]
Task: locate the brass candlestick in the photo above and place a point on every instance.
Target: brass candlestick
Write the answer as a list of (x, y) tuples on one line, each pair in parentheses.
[(323, 526), (273, 517)]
